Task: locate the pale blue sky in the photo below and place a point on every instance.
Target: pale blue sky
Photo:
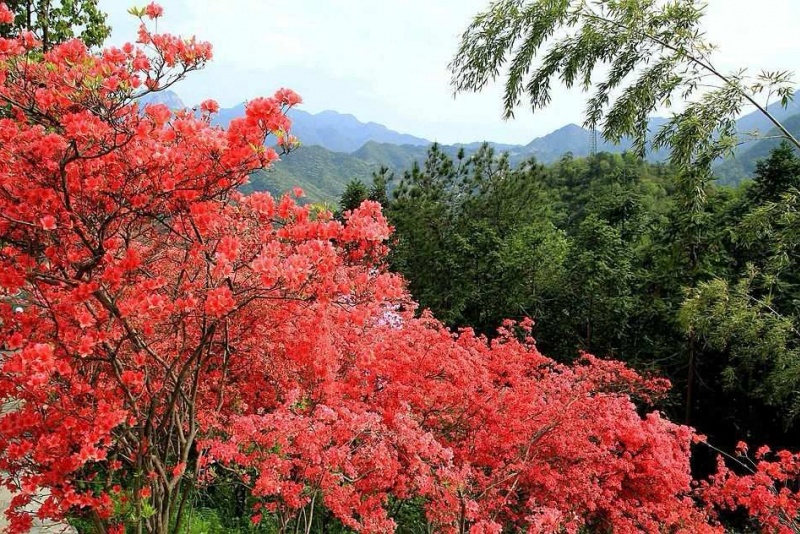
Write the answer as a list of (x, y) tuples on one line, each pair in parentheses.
[(386, 60)]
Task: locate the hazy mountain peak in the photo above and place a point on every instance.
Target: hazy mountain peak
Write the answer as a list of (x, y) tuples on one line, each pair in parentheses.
[(570, 128), (168, 98)]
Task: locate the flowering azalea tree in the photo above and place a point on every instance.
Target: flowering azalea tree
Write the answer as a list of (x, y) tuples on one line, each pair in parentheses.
[(120, 271), (160, 329)]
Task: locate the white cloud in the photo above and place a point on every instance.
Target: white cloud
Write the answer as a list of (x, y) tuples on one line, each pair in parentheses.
[(386, 60)]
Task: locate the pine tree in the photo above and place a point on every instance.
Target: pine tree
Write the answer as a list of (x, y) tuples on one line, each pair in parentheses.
[(354, 194)]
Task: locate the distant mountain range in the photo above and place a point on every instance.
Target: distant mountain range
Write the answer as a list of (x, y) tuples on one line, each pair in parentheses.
[(337, 148)]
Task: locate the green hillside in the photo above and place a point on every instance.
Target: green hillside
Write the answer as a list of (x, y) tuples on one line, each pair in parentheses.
[(321, 173), (392, 156)]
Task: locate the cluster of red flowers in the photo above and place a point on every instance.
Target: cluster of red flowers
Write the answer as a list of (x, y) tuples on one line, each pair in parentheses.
[(157, 326), (768, 491)]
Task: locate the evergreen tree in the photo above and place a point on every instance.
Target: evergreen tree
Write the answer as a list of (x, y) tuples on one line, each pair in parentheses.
[(378, 191), (354, 194), (775, 176)]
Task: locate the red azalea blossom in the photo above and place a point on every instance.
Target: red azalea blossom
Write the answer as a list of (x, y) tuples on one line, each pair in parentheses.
[(48, 222), (179, 469), (153, 10), (209, 106), (6, 16)]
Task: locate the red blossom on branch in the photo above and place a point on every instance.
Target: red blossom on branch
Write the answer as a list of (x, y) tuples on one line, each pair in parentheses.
[(153, 10)]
